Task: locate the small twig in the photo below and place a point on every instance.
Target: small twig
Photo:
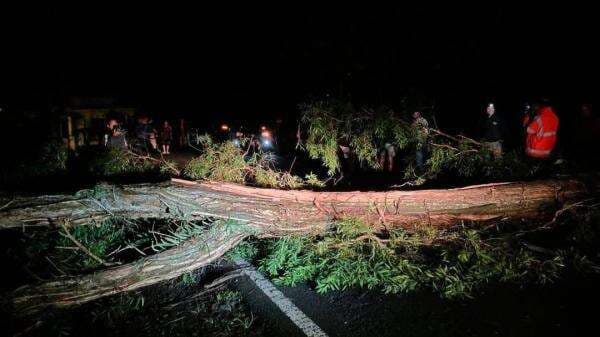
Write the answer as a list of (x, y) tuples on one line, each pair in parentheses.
[(549, 225), (175, 320), (130, 246), (407, 183), (467, 151), (445, 146), (292, 166), (56, 267), (456, 139), (162, 161), (470, 140), (368, 236), (102, 206), (195, 296), (250, 143), (336, 181), (223, 279), (7, 204), (537, 249), (68, 235)]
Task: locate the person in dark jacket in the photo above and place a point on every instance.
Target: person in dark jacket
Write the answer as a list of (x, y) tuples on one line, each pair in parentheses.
[(166, 137), (115, 138), (493, 131)]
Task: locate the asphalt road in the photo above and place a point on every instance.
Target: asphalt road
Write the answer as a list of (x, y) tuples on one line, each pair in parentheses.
[(565, 309)]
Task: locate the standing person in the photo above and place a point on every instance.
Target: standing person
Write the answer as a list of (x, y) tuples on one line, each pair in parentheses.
[(421, 127), (152, 135), (386, 157), (116, 138), (347, 160), (166, 137), (110, 125), (541, 132), (141, 134), (492, 131)]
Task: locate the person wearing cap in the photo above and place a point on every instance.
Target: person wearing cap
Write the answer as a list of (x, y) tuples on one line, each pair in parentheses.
[(492, 134)]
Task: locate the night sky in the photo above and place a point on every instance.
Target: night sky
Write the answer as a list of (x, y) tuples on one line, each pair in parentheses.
[(263, 60)]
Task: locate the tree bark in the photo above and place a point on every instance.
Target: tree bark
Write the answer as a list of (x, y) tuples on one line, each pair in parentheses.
[(279, 210), (191, 255), (262, 213)]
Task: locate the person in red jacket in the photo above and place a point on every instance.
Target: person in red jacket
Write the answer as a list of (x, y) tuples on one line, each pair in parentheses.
[(541, 132)]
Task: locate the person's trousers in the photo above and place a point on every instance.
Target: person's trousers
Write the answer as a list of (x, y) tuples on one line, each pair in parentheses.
[(495, 147), (419, 158)]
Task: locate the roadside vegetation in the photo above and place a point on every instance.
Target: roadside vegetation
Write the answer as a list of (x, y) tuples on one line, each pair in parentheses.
[(53, 164), (327, 124), (227, 162), (455, 263)]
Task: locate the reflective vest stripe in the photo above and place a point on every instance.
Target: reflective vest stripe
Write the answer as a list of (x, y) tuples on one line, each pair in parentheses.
[(530, 130), (538, 152), (549, 134), (538, 120)]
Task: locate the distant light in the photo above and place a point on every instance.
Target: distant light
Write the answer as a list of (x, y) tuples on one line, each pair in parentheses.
[(266, 143), (263, 128), (224, 127), (236, 142), (265, 134)]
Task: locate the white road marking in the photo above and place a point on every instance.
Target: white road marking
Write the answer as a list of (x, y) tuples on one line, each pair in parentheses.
[(302, 321)]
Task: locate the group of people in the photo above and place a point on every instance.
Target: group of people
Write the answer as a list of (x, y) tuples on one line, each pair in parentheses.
[(145, 138), (540, 129), (540, 124)]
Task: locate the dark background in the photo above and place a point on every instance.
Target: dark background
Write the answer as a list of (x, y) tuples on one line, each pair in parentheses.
[(259, 62)]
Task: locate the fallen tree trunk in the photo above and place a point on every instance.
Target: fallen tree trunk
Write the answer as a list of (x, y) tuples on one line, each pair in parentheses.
[(262, 213), (191, 255), (270, 209)]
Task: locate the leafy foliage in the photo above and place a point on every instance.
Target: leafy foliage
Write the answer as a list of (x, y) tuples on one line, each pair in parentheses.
[(330, 123), (313, 181), (229, 163), (189, 279), (50, 160), (327, 124), (116, 162), (101, 239), (246, 250), (219, 162), (355, 256), (177, 232)]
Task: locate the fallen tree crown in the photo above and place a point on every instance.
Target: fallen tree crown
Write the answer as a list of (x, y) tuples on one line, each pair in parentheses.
[(261, 213)]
